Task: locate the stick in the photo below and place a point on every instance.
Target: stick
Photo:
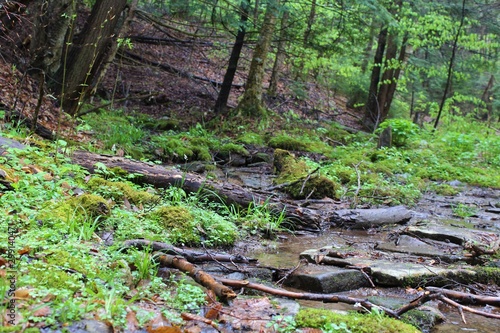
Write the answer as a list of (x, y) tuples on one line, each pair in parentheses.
[(201, 277)]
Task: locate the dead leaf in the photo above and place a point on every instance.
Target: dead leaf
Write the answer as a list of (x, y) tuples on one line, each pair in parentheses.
[(24, 250), (48, 298), (22, 293), (132, 323), (3, 261), (42, 312)]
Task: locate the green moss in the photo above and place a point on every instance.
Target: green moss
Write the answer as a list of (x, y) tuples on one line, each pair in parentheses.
[(487, 275), (251, 138), (295, 171), (354, 322), (287, 142), (229, 148), (92, 205), (119, 190), (445, 189), (195, 226)]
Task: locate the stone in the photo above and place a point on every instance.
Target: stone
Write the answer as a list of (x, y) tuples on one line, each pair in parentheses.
[(326, 279)]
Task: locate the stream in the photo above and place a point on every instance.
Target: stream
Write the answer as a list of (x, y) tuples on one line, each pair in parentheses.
[(435, 238)]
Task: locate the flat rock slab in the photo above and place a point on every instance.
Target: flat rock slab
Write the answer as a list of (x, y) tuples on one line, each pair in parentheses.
[(452, 234), (326, 279), (6, 143), (447, 252), (370, 218), (385, 272)]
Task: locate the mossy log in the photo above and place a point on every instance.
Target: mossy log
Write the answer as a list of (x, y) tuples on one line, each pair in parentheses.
[(302, 218)]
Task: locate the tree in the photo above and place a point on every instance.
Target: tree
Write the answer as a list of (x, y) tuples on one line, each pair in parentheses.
[(251, 103), (221, 103), (280, 55), (385, 73)]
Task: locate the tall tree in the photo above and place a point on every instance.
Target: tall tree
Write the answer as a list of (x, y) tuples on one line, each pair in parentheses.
[(280, 54), (221, 103), (83, 60), (251, 103)]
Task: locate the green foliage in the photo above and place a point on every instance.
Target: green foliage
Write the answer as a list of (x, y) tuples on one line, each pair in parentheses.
[(464, 211), (330, 321), (188, 297), (402, 130)]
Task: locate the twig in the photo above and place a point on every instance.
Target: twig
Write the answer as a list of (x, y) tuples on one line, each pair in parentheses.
[(307, 178), (287, 274), (461, 307), (96, 109)]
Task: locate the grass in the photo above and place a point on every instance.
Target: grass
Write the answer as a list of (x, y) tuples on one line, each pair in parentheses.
[(65, 266)]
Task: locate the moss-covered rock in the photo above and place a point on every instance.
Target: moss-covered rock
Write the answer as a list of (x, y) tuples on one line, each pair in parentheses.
[(194, 226), (117, 191), (287, 142), (352, 322), (91, 205), (295, 173)]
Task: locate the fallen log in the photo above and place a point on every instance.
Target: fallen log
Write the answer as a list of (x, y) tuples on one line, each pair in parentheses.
[(223, 292), (191, 256), (297, 217), (370, 218)]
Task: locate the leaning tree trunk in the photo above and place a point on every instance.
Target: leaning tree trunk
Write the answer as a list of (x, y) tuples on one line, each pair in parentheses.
[(251, 103), (221, 103), (83, 62)]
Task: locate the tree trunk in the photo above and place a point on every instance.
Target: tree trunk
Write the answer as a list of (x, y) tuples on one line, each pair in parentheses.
[(83, 62), (221, 103), (372, 109), (280, 55), (299, 217), (450, 67), (50, 30), (251, 103)]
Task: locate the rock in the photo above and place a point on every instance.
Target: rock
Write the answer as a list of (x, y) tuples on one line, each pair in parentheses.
[(452, 234), (447, 252), (9, 143), (326, 279), (369, 218), (389, 273), (196, 167), (385, 138)]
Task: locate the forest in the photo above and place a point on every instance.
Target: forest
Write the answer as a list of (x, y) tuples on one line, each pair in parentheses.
[(249, 166)]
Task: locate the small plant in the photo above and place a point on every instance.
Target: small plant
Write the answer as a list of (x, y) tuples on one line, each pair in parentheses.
[(402, 130), (464, 211), (188, 297), (282, 324)]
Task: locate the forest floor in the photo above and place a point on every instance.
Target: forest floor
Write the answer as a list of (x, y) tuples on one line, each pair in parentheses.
[(188, 100)]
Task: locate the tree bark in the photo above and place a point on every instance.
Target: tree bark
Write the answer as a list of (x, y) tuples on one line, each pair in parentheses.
[(83, 63), (372, 109), (251, 103), (280, 55), (50, 31), (221, 103)]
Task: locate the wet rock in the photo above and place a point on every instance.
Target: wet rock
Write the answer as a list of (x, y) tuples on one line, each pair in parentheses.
[(447, 252), (390, 273), (370, 218), (451, 234), (326, 279), (287, 307)]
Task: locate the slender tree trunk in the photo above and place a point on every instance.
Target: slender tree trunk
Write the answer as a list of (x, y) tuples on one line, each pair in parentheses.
[(372, 109), (81, 66), (280, 56), (305, 38), (221, 103), (450, 67), (251, 103)]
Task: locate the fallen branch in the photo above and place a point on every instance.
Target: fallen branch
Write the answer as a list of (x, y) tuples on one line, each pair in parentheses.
[(467, 298), (326, 298), (201, 277), (462, 308)]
